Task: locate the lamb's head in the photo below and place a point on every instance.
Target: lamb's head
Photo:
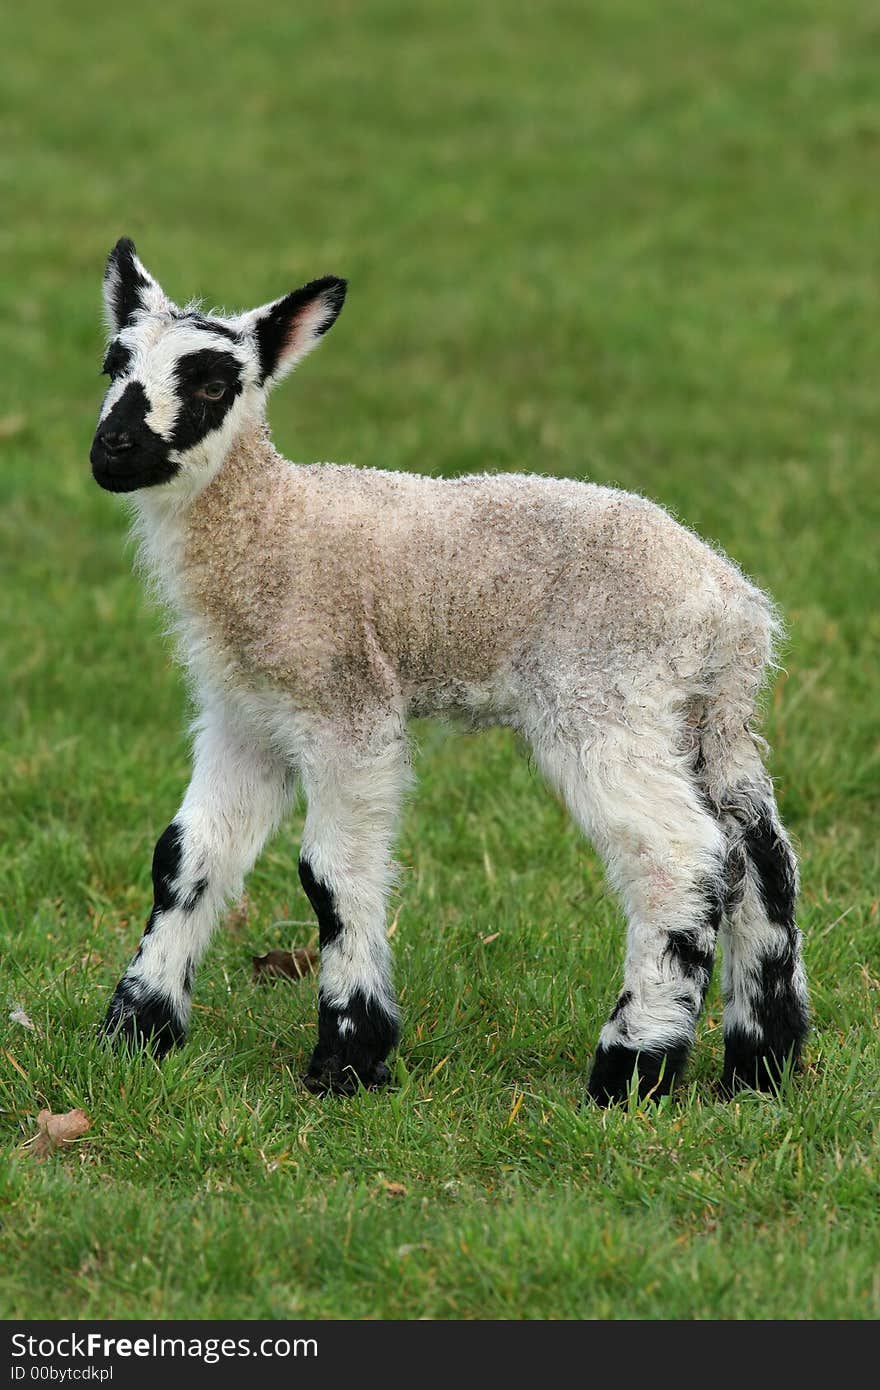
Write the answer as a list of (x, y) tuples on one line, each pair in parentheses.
[(183, 384)]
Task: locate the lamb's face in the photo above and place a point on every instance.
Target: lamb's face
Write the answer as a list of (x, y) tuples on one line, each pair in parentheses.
[(183, 384), (179, 386)]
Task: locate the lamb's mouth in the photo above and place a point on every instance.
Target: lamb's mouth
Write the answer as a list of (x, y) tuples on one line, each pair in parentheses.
[(132, 470)]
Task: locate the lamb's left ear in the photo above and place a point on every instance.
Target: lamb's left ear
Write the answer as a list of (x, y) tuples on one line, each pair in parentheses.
[(290, 327), (129, 288)]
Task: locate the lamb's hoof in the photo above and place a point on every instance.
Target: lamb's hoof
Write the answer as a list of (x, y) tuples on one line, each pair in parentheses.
[(341, 1076), (141, 1020), (758, 1069), (613, 1068)]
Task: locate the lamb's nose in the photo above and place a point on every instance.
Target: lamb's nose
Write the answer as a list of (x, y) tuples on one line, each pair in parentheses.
[(116, 442)]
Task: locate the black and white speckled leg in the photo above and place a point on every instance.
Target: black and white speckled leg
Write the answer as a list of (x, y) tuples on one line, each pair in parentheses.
[(766, 1010), (664, 853), (354, 796), (236, 797)]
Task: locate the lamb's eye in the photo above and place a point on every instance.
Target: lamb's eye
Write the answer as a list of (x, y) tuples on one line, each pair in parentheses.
[(214, 391)]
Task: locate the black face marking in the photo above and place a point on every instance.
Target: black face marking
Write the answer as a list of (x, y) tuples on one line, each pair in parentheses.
[(275, 328), (129, 282), (126, 454), (323, 904), (117, 360), (198, 417), (613, 1069)]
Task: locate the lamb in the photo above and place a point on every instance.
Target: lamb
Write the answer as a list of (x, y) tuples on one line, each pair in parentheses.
[(320, 607)]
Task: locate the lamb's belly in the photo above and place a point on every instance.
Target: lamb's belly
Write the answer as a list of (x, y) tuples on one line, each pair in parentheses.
[(471, 678), (488, 701), (298, 663), (453, 648)]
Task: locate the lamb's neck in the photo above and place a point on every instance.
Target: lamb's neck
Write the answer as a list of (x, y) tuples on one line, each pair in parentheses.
[(168, 520)]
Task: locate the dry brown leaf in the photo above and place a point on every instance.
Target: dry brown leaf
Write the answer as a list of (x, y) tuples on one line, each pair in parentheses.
[(395, 1189), (293, 966), (55, 1130)]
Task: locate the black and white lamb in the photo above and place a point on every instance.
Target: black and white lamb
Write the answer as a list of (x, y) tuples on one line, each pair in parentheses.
[(318, 607)]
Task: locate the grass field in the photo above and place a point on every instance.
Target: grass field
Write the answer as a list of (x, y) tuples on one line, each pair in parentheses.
[(620, 240)]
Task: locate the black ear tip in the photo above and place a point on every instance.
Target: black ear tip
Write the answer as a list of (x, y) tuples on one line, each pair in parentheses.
[(335, 289), (330, 290), (124, 248)]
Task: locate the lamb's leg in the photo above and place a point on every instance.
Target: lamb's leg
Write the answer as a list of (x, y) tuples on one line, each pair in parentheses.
[(235, 799), (345, 866), (765, 990), (665, 855)]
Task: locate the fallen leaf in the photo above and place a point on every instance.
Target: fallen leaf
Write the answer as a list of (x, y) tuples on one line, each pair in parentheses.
[(18, 1015), (282, 963), (395, 1189), (55, 1130)]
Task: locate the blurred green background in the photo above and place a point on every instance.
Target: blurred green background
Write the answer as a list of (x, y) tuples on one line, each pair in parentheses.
[(611, 239)]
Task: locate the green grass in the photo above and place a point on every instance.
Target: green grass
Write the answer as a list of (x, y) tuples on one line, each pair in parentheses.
[(622, 240)]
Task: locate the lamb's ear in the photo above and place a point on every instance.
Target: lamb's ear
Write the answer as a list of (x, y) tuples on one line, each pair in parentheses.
[(129, 287), (290, 327)]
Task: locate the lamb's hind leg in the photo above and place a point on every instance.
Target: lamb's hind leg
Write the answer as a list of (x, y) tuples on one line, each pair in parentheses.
[(236, 797), (765, 991), (664, 854), (354, 798)]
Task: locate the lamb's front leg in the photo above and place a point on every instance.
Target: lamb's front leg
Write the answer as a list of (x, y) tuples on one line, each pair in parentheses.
[(235, 799), (345, 866)]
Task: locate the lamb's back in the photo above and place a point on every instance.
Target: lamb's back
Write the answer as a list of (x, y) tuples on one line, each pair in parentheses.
[(453, 576)]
